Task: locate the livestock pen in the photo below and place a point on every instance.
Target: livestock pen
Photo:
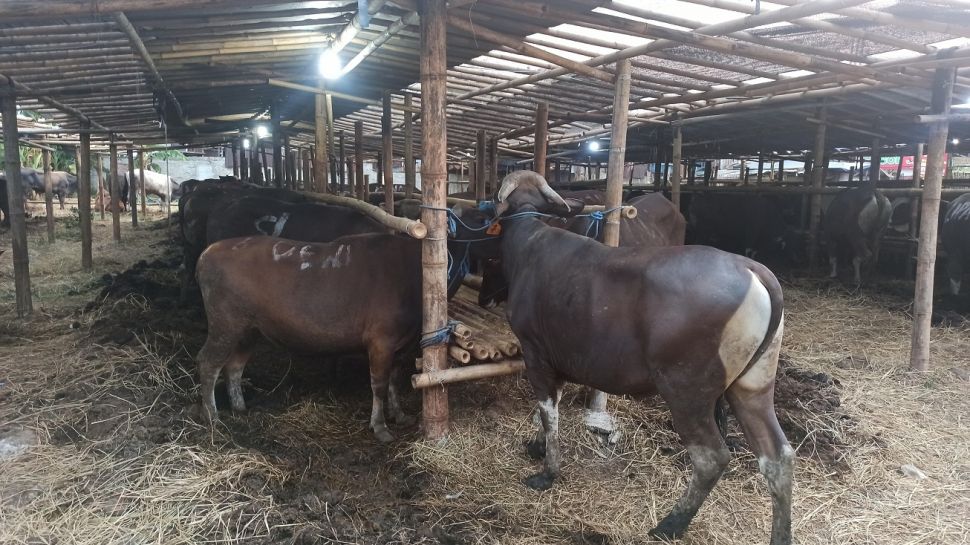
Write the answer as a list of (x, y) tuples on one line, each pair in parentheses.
[(101, 437)]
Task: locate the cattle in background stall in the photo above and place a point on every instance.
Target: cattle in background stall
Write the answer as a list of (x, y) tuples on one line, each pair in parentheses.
[(955, 234), (691, 323), (658, 223), (4, 203), (156, 184), (359, 293), (853, 225), (751, 225), (62, 183)]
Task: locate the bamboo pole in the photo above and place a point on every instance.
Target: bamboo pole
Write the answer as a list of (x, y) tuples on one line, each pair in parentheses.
[(15, 203), (234, 149), (926, 260), (274, 113), (387, 139), (541, 138), (875, 158), (913, 209), (332, 166), (84, 196), (675, 178), (359, 160), (343, 161), (143, 158), (493, 177), (818, 181), (434, 185), (415, 229), (48, 195), (133, 186), (100, 172), (321, 155), (432, 380), (480, 165), (115, 191), (409, 173)]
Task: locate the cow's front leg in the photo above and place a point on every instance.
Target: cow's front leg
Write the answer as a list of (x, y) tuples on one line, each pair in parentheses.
[(549, 414)]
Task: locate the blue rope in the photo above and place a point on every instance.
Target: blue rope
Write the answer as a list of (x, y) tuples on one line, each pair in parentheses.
[(438, 336)]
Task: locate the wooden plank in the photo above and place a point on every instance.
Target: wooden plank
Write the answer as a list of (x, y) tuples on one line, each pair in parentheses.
[(15, 201)]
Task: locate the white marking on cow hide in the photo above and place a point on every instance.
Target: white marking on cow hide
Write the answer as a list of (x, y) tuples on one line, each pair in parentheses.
[(339, 259), (241, 243), (960, 212), (276, 253), (278, 224), (869, 215), (745, 329), (305, 255), (954, 287)]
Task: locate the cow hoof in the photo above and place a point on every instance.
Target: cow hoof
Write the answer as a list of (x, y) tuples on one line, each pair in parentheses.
[(600, 422), (383, 436), (670, 528), (539, 481), (536, 449), (406, 420)]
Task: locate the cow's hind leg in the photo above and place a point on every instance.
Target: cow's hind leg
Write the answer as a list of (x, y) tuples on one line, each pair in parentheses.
[(234, 368), (381, 359), (752, 399), (708, 455), (394, 397), (217, 351)]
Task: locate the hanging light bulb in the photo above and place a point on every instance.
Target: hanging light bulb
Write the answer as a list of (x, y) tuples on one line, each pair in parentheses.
[(245, 143), (330, 67), (594, 146), (262, 131)]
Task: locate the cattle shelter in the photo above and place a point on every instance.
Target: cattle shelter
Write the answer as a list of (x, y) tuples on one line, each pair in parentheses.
[(757, 122)]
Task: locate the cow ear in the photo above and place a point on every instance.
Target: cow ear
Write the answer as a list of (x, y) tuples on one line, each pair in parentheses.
[(575, 207)]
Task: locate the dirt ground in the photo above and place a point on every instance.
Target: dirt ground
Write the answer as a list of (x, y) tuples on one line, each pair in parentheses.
[(100, 442)]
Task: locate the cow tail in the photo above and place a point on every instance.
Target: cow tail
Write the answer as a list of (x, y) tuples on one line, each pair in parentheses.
[(768, 280)]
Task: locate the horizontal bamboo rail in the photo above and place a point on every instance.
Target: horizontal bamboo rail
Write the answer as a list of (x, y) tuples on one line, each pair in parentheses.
[(470, 372), (413, 228)]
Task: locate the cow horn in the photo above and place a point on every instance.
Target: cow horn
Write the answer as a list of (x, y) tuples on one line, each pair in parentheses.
[(520, 177), (550, 193)]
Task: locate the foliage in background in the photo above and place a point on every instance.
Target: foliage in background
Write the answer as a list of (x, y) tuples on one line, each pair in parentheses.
[(31, 157), (157, 158)]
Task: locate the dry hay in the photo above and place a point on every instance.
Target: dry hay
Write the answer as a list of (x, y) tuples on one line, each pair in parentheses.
[(118, 458)]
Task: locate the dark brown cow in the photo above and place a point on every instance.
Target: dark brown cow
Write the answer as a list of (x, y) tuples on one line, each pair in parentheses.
[(691, 323), (955, 234), (853, 225), (360, 293), (658, 223)]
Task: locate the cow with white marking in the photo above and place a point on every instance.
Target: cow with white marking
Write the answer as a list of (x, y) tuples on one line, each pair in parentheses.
[(691, 323), (853, 226), (955, 233)]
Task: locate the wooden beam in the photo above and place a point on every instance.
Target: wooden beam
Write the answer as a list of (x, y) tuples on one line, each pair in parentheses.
[(48, 195), (114, 187), (387, 147), (355, 25), (15, 203), (541, 139), (133, 185), (84, 196), (321, 155), (359, 160), (306, 88), (926, 258), (526, 49), (818, 181), (410, 18), (676, 160), (434, 185), (481, 159), (409, 165), (23, 9)]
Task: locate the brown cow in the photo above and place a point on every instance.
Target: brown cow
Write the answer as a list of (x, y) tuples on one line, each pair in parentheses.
[(360, 293), (691, 323)]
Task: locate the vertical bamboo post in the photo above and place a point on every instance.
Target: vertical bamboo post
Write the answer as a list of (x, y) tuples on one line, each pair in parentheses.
[(657, 178), (917, 170), (235, 158), (781, 171), (379, 166), (434, 184), (15, 202), (84, 196), (115, 189), (596, 415), (675, 177), (100, 172), (874, 162), (277, 141), (492, 166), (818, 180), (285, 156), (243, 162), (343, 169), (761, 166), (708, 171), (691, 170), (268, 171), (359, 159), (388, 152), (309, 183), (133, 187), (926, 261), (541, 139), (899, 168), (480, 159), (331, 150), (321, 155), (409, 174), (48, 195), (142, 163)]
